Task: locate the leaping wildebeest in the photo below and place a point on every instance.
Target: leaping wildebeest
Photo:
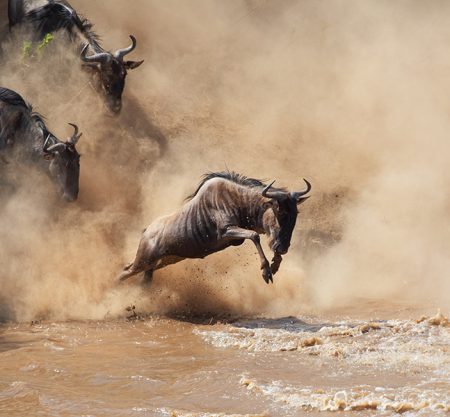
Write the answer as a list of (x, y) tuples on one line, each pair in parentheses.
[(25, 137), (226, 209), (41, 18)]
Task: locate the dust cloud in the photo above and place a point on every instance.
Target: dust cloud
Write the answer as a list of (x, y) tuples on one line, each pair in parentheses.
[(352, 96)]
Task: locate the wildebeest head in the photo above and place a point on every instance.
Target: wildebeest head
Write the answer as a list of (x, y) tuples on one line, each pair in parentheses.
[(279, 219), (64, 163), (111, 70)]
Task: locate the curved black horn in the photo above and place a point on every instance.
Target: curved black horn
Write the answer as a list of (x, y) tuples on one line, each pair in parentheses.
[(74, 138), (298, 194), (277, 195), (266, 189), (101, 58), (120, 53)]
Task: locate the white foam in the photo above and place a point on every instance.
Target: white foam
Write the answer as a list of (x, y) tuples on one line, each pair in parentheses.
[(390, 345), (353, 399)]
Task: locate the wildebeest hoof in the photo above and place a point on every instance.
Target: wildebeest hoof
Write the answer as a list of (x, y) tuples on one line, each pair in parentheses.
[(267, 275), (148, 278), (123, 276), (274, 268), (127, 266), (276, 261)]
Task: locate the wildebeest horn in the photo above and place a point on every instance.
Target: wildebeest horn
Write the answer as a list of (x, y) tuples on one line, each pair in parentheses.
[(264, 192), (101, 58), (56, 147), (74, 138), (298, 194), (277, 195), (46, 143), (120, 53)]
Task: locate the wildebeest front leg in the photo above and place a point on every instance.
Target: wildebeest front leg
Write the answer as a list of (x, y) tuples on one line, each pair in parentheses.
[(239, 233)]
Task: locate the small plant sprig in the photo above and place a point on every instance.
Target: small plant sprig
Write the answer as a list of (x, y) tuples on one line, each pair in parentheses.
[(27, 47)]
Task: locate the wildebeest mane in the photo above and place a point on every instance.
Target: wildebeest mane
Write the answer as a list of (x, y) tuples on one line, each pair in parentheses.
[(11, 97), (233, 177), (54, 16)]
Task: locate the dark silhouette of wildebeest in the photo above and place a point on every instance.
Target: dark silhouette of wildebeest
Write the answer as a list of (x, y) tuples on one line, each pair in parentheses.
[(226, 209), (108, 68), (24, 135)]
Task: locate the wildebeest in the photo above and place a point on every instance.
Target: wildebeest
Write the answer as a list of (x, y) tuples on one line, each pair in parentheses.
[(226, 209), (25, 137), (109, 68)]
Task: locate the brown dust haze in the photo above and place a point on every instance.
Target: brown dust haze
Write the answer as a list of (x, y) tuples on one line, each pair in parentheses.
[(353, 96)]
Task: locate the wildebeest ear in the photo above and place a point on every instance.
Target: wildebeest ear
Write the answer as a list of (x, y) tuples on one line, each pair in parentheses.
[(302, 200), (133, 64)]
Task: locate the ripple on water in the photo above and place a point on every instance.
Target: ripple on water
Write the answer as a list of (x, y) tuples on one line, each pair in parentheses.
[(178, 413), (18, 389), (19, 397)]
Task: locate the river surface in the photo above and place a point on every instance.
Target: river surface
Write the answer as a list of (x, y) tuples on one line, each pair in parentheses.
[(292, 366)]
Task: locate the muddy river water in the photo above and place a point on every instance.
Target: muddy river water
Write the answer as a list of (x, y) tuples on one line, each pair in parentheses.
[(353, 96), (292, 366)]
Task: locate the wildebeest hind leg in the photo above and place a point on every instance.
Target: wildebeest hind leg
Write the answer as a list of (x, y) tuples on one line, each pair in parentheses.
[(131, 270), (145, 259)]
